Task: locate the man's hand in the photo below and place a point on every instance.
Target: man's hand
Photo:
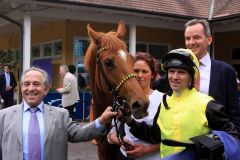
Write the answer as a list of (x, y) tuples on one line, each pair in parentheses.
[(107, 116), (8, 88), (59, 90)]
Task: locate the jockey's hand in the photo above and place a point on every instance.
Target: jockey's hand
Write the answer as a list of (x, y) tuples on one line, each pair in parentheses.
[(120, 115), (107, 116), (128, 145), (137, 151)]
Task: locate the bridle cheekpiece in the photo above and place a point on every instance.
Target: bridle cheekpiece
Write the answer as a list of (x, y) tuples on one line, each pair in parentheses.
[(116, 90)]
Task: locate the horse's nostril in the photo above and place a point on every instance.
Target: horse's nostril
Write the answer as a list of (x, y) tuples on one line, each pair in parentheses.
[(138, 110)]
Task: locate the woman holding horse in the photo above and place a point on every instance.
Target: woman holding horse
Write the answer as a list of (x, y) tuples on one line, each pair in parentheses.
[(146, 71)]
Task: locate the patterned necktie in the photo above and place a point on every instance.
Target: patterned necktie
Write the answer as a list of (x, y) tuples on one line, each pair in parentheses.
[(34, 147), (197, 80)]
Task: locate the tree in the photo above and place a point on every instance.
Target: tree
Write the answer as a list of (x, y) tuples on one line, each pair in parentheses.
[(6, 57)]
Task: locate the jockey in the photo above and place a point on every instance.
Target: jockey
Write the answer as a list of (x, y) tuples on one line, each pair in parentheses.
[(187, 117)]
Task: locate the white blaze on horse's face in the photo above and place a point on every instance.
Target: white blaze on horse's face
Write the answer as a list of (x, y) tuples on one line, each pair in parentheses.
[(122, 55)]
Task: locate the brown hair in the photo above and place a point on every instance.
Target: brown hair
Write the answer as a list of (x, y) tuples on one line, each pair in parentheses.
[(150, 60)]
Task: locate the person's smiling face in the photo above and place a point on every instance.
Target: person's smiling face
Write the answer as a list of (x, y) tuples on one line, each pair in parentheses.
[(33, 88), (196, 40), (179, 79)]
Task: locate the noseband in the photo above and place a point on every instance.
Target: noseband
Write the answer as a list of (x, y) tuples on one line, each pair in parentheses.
[(115, 90)]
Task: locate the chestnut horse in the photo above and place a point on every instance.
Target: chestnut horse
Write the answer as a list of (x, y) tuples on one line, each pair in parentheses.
[(111, 73)]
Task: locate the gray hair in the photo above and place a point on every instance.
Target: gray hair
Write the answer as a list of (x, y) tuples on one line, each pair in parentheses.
[(44, 74), (203, 22), (65, 67)]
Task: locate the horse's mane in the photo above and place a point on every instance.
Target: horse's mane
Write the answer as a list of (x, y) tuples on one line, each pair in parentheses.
[(108, 40)]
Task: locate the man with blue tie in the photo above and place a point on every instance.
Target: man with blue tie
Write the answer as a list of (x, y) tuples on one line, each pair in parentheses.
[(33, 130), (7, 85)]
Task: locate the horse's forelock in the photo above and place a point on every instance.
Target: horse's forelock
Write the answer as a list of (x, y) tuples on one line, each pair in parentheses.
[(110, 41)]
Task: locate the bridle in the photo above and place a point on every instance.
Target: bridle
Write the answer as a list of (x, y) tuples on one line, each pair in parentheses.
[(113, 90), (119, 103)]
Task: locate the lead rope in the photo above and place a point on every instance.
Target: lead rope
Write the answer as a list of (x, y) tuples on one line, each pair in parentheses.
[(120, 105)]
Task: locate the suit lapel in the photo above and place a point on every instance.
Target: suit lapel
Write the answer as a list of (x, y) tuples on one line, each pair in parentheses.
[(18, 121), (48, 118), (214, 76)]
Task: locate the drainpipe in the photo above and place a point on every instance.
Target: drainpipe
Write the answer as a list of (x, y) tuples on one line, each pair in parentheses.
[(20, 48), (211, 11)]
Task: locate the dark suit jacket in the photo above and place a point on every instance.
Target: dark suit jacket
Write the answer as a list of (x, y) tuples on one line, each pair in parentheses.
[(13, 83), (223, 88)]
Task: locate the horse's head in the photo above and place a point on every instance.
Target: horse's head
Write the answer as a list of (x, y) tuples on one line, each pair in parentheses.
[(113, 70)]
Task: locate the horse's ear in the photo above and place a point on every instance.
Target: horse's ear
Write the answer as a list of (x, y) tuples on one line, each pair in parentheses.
[(121, 29), (93, 35)]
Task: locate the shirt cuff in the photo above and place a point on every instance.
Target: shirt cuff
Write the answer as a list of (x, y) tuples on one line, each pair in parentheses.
[(98, 125)]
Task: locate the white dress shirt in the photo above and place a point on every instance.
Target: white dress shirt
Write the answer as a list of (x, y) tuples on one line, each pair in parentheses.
[(205, 71)]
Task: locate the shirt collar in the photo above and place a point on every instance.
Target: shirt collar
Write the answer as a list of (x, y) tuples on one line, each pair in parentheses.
[(26, 106), (205, 61)]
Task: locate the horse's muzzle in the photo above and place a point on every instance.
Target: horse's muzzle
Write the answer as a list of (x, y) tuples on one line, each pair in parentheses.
[(139, 110)]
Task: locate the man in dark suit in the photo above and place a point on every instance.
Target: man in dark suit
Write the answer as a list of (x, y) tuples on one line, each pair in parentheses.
[(34, 128), (217, 78), (7, 85)]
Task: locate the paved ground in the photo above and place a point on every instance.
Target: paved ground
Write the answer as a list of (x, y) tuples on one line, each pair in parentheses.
[(82, 151)]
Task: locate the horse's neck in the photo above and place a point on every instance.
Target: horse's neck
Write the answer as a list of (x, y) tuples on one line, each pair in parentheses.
[(101, 100)]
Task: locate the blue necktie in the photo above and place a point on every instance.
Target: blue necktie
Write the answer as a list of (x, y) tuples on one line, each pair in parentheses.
[(34, 146)]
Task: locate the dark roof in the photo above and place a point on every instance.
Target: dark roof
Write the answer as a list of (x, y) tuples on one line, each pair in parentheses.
[(183, 8)]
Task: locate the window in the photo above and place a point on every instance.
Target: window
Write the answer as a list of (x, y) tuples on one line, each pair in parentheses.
[(47, 49), (235, 53), (157, 50), (80, 47), (35, 51), (235, 58), (141, 47), (57, 48)]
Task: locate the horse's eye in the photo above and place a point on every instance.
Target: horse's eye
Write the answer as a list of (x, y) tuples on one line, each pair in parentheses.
[(109, 63)]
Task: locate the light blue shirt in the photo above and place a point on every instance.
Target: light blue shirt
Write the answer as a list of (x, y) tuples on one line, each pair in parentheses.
[(7, 77), (26, 119)]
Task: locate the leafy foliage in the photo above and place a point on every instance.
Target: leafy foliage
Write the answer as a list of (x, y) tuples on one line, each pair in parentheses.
[(6, 57)]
